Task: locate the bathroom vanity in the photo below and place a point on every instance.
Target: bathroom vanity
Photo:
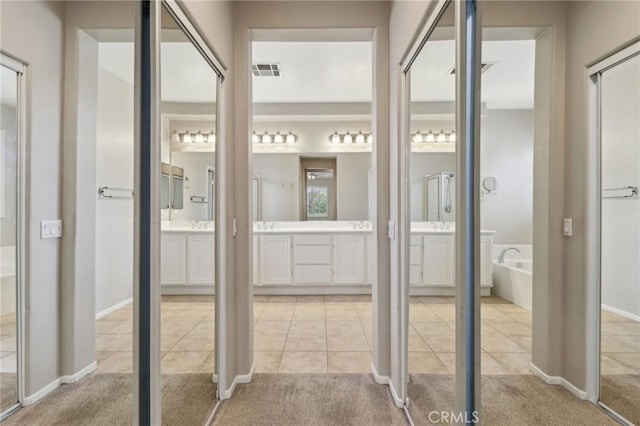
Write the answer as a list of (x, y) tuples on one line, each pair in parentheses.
[(314, 258)]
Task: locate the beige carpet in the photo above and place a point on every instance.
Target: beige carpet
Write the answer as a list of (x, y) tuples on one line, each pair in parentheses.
[(506, 400), (310, 399), (621, 392), (8, 390), (105, 400)]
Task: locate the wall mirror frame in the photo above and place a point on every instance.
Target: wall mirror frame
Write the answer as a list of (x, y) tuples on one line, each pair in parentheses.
[(467, 30), (13, 65), (596, 193)]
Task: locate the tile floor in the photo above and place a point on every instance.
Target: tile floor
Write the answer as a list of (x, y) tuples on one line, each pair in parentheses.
[(333, 334)]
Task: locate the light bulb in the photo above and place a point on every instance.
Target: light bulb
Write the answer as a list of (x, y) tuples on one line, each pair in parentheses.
[(186, 138), (417, 138), (175, 137), (335, 138), (442, 137), (347, 138), (255, 138), (430, 137), (199, 137), (291, 138), (360, 137), (278, 138), (452, 136), (370, 138), (211, 138), (266, 138)]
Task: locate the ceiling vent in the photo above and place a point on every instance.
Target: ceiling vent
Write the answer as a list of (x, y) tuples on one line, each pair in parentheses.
[(483, 68), (266, 70)]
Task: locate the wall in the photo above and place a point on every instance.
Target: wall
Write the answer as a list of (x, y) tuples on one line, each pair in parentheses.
[(506, 152), (43, 51), (620, 106), (114, 168), (280, 183), (595, 30)]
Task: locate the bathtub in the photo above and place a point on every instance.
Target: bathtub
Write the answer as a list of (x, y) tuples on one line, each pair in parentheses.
[(513, 281)]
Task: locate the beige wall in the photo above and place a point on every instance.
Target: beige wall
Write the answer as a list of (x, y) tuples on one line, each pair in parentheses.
[(44, 54), (595, 30)]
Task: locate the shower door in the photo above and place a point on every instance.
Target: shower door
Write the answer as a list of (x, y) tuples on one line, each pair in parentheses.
[(10, 235)]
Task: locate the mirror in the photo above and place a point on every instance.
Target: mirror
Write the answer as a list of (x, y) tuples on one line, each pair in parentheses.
[(440, 197), (620, 239), (9, 242)]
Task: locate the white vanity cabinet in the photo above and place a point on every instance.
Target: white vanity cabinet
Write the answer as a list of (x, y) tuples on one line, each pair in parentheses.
[(187, 262), (349, 259), (438, 260), (275, 259)]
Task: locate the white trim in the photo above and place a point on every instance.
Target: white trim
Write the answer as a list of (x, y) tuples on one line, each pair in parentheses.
[(381, 380), (558, 381), (614, 59), (114, 308), (240, 379), (396, 399), (620, 312), (37, 396), (80, 374)]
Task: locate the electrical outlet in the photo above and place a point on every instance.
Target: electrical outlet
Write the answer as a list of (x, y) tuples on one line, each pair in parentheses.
[(567, 227)]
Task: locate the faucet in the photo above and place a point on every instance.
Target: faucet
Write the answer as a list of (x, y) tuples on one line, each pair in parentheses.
[(501, 257)]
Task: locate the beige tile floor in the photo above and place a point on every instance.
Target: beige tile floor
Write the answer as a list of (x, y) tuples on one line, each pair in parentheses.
[(333, 334)]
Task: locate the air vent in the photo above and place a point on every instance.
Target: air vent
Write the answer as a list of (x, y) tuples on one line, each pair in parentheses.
[(266, 70), (483, 68)]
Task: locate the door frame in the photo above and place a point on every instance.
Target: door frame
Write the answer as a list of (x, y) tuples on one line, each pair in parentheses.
[(21, 69), (594, 221)]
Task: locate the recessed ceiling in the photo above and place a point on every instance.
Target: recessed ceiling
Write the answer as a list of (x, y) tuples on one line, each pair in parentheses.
[(320, 72), (507, 84), (185, 75)]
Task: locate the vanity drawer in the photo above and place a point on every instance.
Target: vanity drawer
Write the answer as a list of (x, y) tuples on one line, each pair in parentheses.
[(313, 240), (313, 274), (312, 255)]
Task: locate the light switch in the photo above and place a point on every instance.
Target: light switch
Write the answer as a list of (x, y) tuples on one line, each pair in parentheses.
[(567, 227), (50, 229)]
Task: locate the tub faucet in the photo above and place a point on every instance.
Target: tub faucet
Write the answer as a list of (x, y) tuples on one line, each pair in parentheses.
[(501, 257)]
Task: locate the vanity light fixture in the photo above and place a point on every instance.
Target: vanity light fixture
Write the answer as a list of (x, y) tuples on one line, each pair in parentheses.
[(417, 137), (452, 136), (175, 137), (211, 138), (430, 137), (348, 138), (186, 137), (442, 137), (199, 138), (270, 138)]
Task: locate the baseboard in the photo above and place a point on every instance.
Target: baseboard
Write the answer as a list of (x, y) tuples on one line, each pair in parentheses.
[(559, 381), (37, 396), (114, 308), (622, 313), (80, 374), (381, 380), (240, 379), (396, 399)]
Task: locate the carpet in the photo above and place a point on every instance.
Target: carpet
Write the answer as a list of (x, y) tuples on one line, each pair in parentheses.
[(621, 392), (310, 399), (506, 400), (106, 400), (8, 390)]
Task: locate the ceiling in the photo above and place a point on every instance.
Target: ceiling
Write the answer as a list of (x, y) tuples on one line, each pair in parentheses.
[(508, 84), (320, 72), (185, 75), (330, 72)]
